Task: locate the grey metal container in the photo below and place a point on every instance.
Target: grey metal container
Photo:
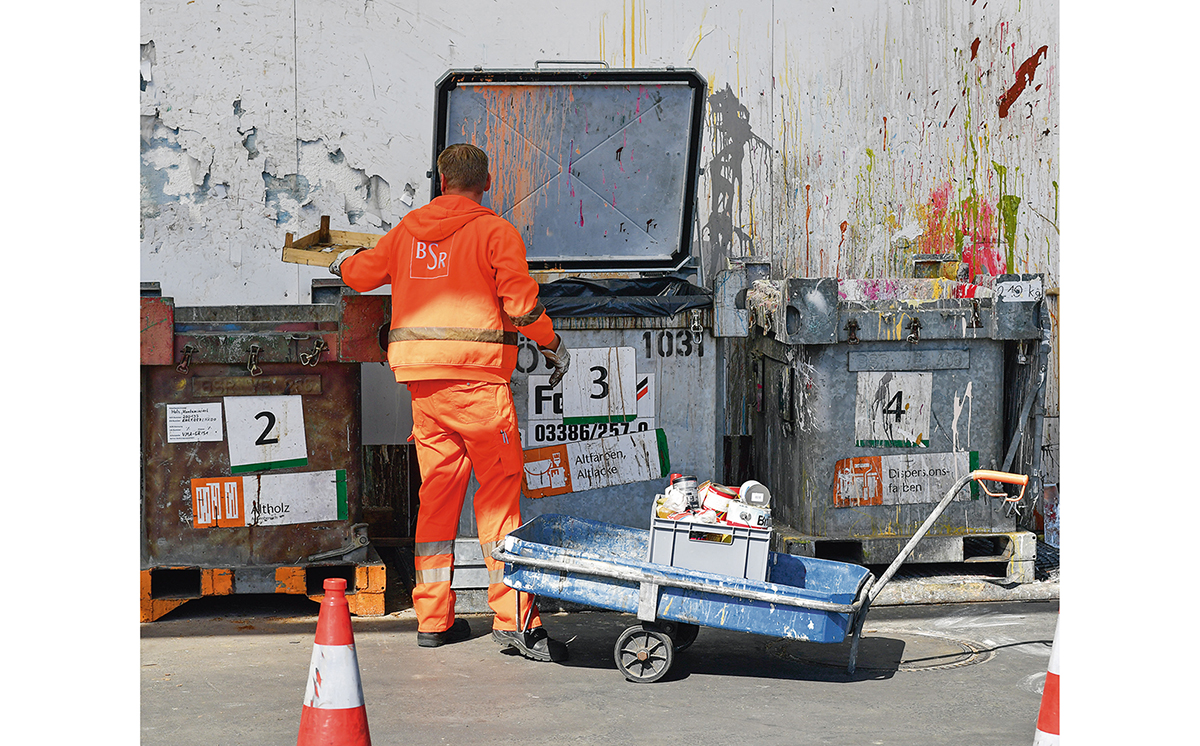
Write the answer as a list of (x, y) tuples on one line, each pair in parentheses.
[(868, 399)]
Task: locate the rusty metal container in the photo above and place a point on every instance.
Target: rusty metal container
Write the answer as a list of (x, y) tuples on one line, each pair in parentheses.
[(218, 519)]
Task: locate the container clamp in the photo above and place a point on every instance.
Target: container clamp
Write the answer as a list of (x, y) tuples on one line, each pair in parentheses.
[(697, 328), (252, 363), (356, 545), (852, 330), (186, 362), (914, 326), (314, 357)]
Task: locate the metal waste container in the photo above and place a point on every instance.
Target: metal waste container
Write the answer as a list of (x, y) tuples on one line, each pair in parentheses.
[(869, 398), (252, 465), (597, 170)]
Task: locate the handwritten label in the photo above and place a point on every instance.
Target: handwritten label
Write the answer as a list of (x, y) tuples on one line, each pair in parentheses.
[(194, 423)]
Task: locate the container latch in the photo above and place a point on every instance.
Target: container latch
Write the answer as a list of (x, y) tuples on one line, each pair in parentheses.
[(914, 327)]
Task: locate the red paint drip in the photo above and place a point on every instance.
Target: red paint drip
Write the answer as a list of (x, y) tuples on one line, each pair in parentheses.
[(1024, 78), (975, 47), (581, 213)]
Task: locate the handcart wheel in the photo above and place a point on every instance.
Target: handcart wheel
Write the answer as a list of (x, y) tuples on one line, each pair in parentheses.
[(682, 634), (644, 654)]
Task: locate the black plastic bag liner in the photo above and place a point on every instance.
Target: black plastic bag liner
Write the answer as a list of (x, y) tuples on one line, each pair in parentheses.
[(643, 296)]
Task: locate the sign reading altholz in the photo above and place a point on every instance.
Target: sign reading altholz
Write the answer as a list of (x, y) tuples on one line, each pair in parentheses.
[(269, 499)]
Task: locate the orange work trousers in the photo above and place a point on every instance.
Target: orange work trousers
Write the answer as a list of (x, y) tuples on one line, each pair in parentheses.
[(459, 426)]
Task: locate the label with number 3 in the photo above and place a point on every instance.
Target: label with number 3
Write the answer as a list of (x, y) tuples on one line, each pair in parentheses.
[(600, 385)]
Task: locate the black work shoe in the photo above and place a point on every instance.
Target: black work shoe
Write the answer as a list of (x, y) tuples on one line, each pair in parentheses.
[(534, 643), (458, 631)]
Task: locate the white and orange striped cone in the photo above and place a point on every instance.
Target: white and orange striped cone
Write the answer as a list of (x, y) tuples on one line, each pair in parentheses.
[(1047, 724), (334, 713)]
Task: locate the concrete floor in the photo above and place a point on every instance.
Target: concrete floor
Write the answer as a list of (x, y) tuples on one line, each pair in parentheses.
[(232, 670)]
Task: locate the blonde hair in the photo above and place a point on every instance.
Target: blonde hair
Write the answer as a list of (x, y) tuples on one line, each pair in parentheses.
[(464, 166)]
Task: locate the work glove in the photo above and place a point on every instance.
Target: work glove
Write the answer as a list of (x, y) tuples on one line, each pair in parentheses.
[(559, 357), (336, 266)]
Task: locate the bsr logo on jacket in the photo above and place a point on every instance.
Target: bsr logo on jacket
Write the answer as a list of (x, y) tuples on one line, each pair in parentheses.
[(428, 261)]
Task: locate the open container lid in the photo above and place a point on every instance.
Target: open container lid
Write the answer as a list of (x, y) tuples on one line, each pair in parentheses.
[(596, 167)]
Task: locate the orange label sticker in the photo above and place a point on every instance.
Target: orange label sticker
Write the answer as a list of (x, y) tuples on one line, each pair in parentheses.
[(547, 471), (218, 502), (858, 481)]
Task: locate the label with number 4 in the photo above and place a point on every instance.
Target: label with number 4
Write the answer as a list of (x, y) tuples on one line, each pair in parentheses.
[(265, 432), (891, 410)]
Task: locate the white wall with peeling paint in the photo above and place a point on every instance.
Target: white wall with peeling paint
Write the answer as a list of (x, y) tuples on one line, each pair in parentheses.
[(833, 127)]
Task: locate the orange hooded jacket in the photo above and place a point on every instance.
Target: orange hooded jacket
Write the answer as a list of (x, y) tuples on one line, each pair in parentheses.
[(460, 292)]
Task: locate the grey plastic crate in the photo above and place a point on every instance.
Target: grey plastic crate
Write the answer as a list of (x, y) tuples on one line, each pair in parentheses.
[(740, 552)]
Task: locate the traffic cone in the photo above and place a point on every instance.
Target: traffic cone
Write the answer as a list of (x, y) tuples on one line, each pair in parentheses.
[(1047, 723), (334, 713)]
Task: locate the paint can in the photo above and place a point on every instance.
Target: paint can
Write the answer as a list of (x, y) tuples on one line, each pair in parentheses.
[(715, 501), (686, 485), (755, 493), (741, 514)]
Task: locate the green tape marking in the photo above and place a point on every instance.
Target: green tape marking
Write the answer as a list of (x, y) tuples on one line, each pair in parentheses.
[(890, 444), (664, 455), (599, 419), (268, 465), (974, 462), (343, 498)]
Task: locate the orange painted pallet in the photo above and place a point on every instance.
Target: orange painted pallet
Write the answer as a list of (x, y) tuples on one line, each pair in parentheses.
[(366, 599)]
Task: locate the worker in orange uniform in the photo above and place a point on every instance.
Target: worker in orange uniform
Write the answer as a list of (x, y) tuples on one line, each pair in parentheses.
[(461, 291)]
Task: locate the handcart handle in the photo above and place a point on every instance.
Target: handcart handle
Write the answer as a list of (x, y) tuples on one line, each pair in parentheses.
[(999, 476)]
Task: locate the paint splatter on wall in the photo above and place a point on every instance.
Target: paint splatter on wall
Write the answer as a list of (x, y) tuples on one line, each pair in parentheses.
[(839, 142)]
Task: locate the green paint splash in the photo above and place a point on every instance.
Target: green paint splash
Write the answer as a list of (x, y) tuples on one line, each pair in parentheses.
[(1008, 216)]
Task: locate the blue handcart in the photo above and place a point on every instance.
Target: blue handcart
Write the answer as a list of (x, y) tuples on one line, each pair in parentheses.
[(602, 565)]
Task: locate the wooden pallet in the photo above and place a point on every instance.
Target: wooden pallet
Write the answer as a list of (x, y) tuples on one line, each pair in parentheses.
[(1012, 553), (165, 588), (319, 249)]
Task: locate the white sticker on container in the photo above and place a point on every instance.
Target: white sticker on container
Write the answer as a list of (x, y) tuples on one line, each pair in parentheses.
[(194, 423), (891, 410), (600, 385), (265, 432), (269, 499), (1015, 291), (546, 425)]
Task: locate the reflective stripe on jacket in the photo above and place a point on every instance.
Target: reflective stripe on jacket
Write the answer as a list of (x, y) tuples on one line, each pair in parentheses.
[(461, 291)]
